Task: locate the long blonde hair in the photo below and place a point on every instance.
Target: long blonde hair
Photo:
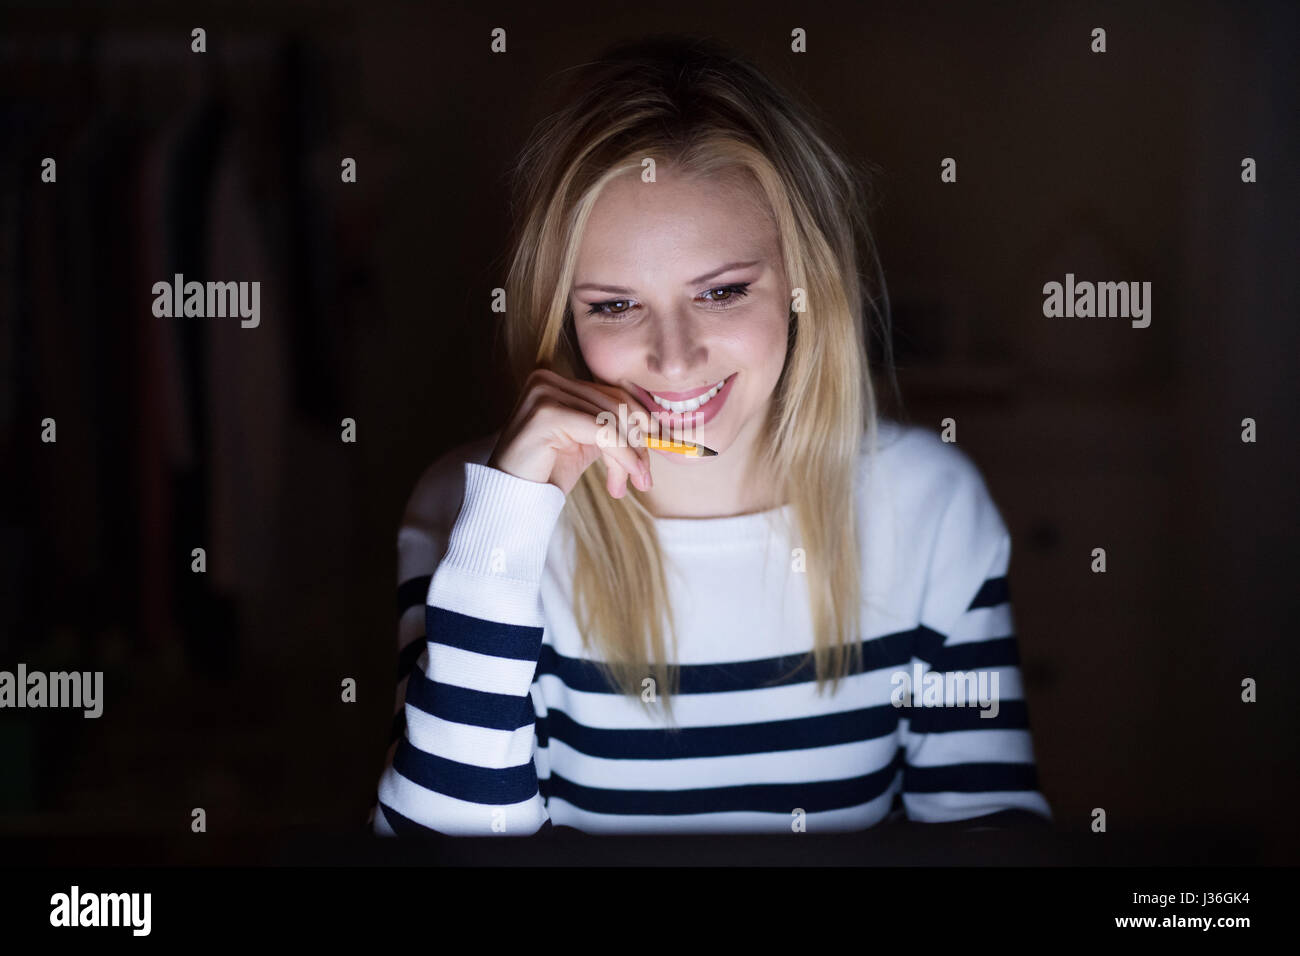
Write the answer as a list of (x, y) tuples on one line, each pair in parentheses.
[(700, 110)]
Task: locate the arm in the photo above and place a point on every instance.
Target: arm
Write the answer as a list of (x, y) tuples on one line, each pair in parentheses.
[(421, 545), (963, 762), (463, 763)]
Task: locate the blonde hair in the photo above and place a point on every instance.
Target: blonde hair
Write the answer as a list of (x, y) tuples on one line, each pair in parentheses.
[(701, 110)]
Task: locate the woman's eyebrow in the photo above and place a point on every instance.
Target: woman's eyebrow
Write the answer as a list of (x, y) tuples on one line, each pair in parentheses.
[(619, 290)]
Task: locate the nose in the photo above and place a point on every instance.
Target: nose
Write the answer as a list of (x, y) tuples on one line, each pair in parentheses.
[(676, 349)]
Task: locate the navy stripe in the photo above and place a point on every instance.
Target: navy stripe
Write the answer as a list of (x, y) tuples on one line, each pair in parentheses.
[(800, 733), (513, 641), (970, 778), (992, 592), (541, 729), (968, 655), (579, 674), (472, 784), (412, 592), (783, 798), (461, 705), (981, 655), (1012, 715), (543, 790)]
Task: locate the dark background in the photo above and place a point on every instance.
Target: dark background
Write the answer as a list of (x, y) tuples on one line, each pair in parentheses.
[(223, 690)]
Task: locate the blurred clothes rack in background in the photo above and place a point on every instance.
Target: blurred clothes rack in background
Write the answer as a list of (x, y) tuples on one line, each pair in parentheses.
[(171, 432)]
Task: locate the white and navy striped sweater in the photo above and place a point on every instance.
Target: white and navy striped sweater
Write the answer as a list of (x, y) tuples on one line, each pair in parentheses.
[(505, 726)]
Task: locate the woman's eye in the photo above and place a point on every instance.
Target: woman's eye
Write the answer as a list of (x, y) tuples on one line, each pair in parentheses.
[(733, 292), (598, 308), (616, 308)]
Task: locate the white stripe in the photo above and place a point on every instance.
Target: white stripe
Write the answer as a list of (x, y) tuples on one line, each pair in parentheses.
[(449, 815), (973, 746), (476, 746), (498, 599), (1010, 684), (948, 806), (481, 672), (730, 708), (815, 765), (564, 813), (982, 624)]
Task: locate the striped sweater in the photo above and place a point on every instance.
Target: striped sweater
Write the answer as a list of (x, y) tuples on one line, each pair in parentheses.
[(505, 726)]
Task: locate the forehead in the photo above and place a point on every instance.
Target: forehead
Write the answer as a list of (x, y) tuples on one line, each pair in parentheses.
[(678, 216)]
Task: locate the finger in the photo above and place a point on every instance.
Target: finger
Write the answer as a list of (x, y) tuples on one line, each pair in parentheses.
[(583, 429), (618, 394), (569, 401), (553, 391), (607, 398), (596, 398), (641, 419), (624, 465), (615, 478)]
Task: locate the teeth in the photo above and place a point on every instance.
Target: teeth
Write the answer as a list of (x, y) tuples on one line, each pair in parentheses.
[(691, 404)]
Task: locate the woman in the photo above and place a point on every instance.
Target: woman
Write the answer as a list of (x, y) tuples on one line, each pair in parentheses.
[(621, 639)]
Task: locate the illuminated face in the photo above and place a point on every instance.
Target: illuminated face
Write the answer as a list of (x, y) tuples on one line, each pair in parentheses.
[(680, 297)]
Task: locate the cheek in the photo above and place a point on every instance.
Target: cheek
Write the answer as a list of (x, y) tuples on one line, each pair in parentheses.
[(609, 354), (602, 353), (764, 347)]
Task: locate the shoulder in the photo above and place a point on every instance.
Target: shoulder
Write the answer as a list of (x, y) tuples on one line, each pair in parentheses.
[(935, 492), (928, 471), (944, 536), (436, 498)]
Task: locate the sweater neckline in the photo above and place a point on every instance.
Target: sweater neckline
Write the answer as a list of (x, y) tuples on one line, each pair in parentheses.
[(724, 531)]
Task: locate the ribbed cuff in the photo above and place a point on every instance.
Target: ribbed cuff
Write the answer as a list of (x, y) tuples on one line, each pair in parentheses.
[(505, 524)]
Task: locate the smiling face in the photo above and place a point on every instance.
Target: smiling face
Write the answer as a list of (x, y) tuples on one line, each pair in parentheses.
[(679, 287)]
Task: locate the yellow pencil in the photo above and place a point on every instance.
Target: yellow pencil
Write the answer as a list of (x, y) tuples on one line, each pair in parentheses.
[(689, 449)]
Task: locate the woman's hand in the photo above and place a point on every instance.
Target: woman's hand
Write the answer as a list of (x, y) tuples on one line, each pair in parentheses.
[(553, 434)]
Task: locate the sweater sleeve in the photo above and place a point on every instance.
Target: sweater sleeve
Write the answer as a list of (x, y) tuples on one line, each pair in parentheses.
[(967, 747), (464, 763)]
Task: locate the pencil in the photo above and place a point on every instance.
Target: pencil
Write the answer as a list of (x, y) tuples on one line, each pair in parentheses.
[(689, 449)]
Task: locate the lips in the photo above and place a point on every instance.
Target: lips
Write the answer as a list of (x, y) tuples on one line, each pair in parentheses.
[(676, 420), (683, 396)]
